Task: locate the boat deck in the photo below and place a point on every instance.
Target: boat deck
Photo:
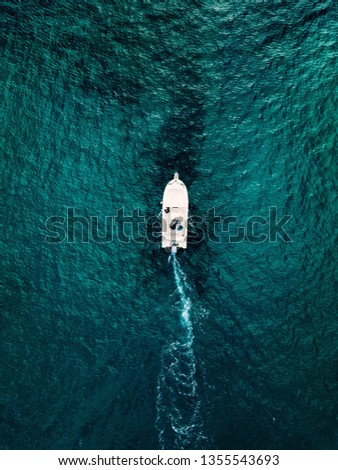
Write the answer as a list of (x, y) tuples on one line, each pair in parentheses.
[(175, 207)]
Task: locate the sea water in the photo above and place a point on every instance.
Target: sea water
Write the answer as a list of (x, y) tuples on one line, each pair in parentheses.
[(101, 102)]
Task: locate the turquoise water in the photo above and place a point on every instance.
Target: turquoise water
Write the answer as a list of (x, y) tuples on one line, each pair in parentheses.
[(110, 345)]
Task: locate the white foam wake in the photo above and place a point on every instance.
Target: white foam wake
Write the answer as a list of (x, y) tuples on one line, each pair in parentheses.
[(178, 406)]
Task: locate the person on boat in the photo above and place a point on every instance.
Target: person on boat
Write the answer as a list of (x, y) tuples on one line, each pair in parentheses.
[(173, 224)]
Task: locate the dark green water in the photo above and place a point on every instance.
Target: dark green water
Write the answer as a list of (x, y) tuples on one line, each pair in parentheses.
[(101, 101)]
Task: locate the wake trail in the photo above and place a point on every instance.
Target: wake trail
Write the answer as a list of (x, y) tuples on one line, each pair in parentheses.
[(178, 421)]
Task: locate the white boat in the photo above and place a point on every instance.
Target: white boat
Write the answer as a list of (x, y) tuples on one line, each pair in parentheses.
[(175, 207)]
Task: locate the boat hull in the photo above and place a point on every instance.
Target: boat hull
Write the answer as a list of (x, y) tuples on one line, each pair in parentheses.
[(175, 209)]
